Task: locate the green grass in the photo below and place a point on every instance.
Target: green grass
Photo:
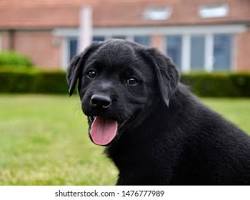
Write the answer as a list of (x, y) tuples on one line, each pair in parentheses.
[(235, 110), (44, 140)]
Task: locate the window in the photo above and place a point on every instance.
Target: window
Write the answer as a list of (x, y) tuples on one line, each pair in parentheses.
[(123, 37), (210, 52), (174, 49), (144, 40), (72, 47), (210, 11), (197, 52), (222, 52), (141, 39), (157, 13), (98, 38)]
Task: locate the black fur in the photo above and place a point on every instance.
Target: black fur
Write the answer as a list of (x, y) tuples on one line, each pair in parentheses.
[(166, 135)]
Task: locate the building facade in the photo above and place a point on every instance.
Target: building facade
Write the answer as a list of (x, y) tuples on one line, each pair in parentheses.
[(199, 35)]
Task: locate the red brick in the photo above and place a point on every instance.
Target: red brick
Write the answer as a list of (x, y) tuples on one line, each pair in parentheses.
[(40, 46), (57, 13), (243, 51)]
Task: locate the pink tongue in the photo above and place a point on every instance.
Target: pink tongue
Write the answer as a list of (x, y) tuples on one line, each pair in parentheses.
[(103, 131)]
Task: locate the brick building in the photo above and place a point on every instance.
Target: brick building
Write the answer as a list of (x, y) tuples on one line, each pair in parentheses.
[(210, 35)]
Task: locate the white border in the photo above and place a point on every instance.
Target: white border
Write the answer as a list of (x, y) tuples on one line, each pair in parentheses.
[(106, 192)]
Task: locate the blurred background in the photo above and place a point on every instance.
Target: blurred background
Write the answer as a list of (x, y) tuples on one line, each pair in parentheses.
[(209, 35), (43, 134)]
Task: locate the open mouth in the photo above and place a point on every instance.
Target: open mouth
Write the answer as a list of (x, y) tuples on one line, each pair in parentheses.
[(103, 131)]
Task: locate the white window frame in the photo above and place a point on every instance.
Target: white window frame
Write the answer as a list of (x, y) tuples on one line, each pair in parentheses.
[(206, 30), (233, 53), (186, 53), (209, 52), (65, 60), (65, 53), (127, 37), (152, 30), (65, 46)]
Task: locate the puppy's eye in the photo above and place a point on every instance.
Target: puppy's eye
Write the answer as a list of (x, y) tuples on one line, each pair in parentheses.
[(132, 82), (91, 73)]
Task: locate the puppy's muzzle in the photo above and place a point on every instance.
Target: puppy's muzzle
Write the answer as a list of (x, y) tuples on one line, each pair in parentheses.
[(100, 101)]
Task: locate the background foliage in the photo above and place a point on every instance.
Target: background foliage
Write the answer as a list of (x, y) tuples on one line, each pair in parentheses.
[(9, 59), (47, 82)]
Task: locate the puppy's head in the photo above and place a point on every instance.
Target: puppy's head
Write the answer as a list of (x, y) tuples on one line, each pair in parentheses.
[(118, 82)]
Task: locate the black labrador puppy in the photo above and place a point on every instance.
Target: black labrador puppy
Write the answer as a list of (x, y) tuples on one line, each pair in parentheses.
[(154, 129)]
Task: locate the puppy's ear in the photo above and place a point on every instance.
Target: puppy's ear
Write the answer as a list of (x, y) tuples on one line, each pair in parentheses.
[(76, 66), (166, 73)]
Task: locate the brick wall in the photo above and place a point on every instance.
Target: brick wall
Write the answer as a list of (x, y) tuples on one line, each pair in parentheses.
[(45, 50), (243, 51), (41, 46), (5, 40), (158, 41)]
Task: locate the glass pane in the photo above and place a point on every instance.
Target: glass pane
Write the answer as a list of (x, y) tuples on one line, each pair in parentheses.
[(119, 37), (197, 52), (98, 38), (73, 45), (222, 52), (142, 39), (174, 44)]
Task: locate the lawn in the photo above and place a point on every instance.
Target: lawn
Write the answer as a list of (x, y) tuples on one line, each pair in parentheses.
[(44, 141)]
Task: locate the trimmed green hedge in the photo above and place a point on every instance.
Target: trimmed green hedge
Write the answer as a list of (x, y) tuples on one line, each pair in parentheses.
[(54, 82), (218, 84), (33, 81), (9, 58)]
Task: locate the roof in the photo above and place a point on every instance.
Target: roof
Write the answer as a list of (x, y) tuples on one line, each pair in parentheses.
[(46, 14)]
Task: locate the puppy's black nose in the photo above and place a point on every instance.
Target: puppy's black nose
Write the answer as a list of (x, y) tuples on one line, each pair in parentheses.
[(100, 100)]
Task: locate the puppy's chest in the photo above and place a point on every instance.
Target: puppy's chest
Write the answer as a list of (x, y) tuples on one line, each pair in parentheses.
[(133, 157)]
